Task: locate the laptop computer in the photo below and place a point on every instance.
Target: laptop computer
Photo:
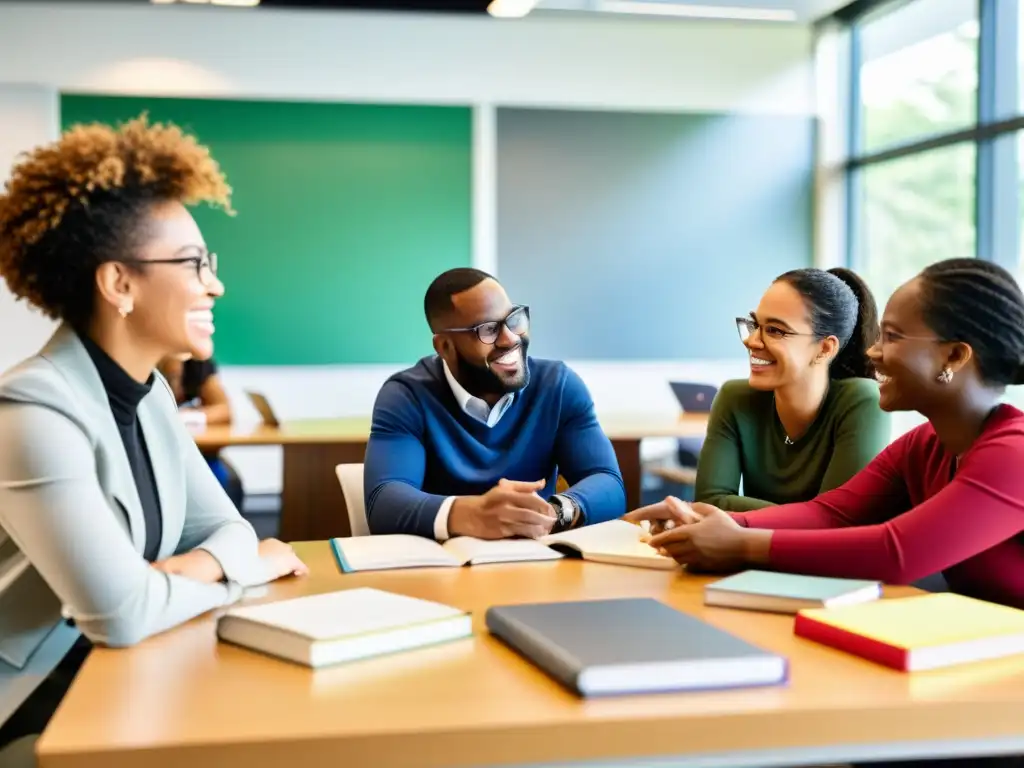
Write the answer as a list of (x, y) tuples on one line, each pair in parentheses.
[(694, 398), (262, 405)]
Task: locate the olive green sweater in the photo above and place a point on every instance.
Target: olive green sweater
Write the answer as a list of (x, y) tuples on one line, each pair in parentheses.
[(746, 440)]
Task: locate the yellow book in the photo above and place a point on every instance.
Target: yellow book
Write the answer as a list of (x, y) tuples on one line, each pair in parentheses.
[(915, 633)]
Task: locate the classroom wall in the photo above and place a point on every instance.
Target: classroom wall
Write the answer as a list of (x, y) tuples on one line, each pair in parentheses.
[(637, 236), (619, 65), (29, 115), (409, 58), (342, 213)]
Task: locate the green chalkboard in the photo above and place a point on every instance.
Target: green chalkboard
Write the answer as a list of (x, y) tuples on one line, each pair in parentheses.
[(345, 214)]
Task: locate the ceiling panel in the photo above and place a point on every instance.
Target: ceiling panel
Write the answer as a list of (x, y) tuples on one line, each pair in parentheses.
[(778, 10)]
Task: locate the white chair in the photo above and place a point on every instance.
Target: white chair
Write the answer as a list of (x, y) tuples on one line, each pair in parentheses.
[(351, 478)]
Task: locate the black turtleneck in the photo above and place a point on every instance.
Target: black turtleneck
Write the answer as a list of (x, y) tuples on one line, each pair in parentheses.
[(125, 394)]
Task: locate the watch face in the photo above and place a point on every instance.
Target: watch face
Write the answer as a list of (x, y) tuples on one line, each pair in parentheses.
[(564, 513), (564, 510)]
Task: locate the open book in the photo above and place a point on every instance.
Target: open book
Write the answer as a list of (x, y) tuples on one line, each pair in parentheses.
[(615, 541)]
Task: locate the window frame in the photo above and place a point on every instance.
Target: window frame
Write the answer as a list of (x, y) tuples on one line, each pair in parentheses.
[(998, 121)]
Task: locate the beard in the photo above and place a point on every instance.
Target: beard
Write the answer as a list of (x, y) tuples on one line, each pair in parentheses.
[(480, 380)]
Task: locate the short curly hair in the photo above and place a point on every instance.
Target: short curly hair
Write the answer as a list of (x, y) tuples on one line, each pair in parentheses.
[(82, 201)]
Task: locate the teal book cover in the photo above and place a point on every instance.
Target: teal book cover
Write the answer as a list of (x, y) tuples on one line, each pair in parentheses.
[(789, 585)]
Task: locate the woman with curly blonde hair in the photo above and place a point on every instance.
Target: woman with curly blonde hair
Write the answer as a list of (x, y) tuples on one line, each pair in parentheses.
[(113, 526)]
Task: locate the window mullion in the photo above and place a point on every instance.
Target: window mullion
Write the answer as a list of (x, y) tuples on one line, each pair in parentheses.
[(997, 178)]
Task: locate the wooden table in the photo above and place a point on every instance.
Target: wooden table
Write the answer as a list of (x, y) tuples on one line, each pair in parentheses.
[(312, 506), (182, 699)]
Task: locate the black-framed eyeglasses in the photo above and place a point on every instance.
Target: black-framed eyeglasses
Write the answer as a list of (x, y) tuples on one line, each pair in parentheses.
[(747, 326), (517, 321), (205, 264)]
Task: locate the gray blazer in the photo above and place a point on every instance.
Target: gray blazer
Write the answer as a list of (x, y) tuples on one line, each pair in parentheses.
[(72, 524)]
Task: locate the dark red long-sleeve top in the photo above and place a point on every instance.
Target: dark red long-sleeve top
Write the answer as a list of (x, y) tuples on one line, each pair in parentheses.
[(912, 513)]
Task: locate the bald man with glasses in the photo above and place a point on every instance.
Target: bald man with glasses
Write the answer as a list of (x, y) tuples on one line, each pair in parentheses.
[(471, 441)]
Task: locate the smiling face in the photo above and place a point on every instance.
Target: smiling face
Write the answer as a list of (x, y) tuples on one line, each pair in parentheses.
[(169, 299), (486, 369), (784, 350), (909, 357)]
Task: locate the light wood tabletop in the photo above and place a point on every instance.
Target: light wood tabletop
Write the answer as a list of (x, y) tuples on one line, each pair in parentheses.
[(356, 429), (312, 505), (301, 431), (183, 699)]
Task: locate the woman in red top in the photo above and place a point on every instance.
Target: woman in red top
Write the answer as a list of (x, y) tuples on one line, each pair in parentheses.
[(948, 496)]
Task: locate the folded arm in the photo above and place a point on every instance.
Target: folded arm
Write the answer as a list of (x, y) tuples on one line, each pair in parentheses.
[(395, 465), (586, 458), (213, 524), (52, 505)]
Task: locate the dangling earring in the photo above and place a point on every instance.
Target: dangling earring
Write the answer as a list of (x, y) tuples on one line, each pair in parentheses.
[(124, 310), (946, 376)]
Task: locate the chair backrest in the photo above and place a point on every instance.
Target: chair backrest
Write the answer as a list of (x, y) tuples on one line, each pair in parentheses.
[(351, 478)]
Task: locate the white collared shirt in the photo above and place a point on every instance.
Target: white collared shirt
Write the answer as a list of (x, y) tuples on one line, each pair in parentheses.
[(474, 406), (482, 412), (485, 414)]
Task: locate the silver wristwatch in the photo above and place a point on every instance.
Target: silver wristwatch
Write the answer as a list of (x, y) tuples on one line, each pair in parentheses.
[(565, 511)]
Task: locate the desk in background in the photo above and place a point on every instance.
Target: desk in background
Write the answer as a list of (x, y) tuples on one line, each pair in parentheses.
[(183, 699), (312, 506)]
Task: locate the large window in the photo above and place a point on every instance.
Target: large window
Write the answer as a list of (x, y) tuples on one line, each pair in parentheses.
[(916, 210), (935, 160), (919, 71)]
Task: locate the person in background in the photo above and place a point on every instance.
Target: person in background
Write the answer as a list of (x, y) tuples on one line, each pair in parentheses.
[(947, 496), (807, 418), (471, 441), (102, 490), (197, 388), (203, 402)]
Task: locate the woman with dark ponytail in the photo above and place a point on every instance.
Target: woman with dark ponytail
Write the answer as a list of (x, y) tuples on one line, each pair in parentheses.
[(947, 496), (807, 418)]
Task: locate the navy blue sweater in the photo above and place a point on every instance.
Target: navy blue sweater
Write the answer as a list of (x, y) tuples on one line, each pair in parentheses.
[(424, 448)]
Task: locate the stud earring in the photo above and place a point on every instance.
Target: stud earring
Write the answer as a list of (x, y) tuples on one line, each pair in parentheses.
[(946, 376), (124, 310)]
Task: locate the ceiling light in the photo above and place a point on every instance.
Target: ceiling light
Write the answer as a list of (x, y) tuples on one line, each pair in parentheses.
[(697, 11), (510, 9), (231, 3)]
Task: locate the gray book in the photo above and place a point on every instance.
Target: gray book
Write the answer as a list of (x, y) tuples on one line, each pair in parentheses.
[(631, 645)]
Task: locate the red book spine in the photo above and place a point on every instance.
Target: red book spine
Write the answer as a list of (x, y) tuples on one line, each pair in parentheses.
[(834, 637)]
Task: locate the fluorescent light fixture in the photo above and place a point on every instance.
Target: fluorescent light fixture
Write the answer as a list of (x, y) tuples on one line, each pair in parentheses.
[(510, 9), (684, 10), (230, 3)]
